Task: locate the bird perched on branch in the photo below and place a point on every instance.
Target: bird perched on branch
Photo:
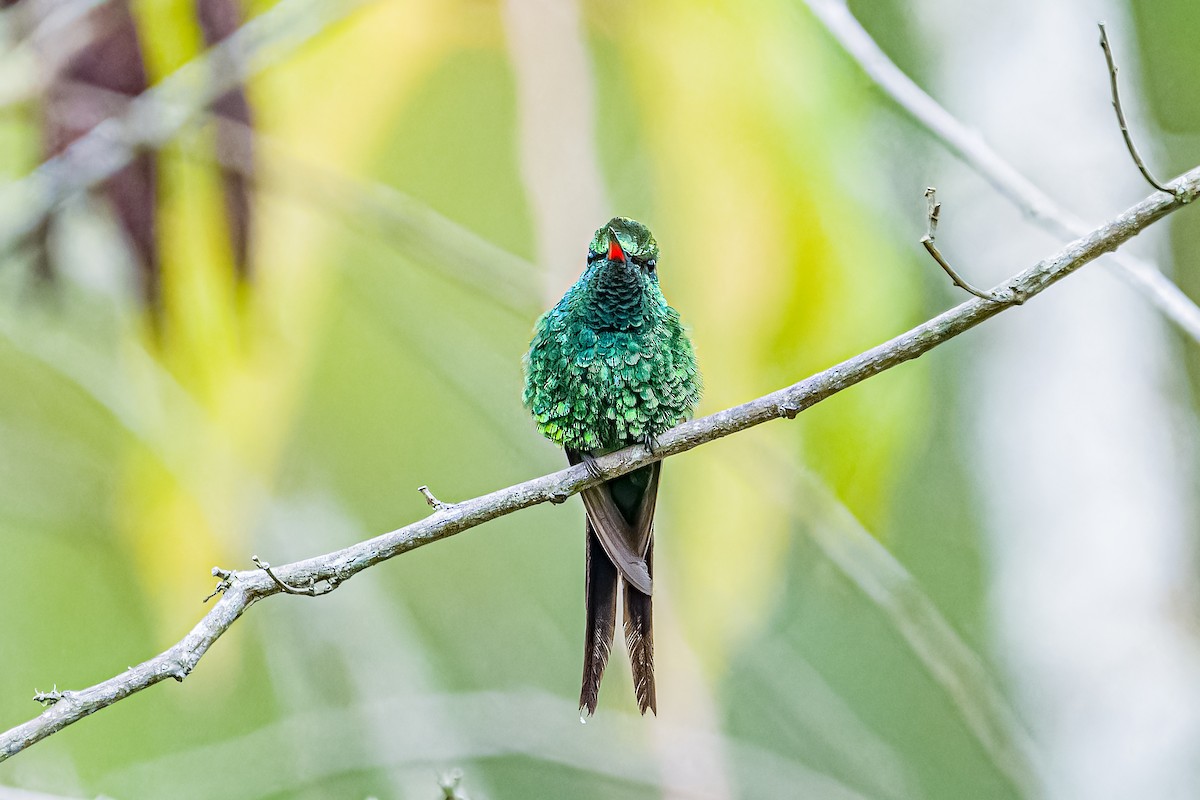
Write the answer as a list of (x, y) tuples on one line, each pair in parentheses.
[(610, 365)]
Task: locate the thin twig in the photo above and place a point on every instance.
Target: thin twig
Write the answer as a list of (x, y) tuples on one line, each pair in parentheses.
[(226, 579), (971, 148), (308, 591), (51, 697), (434, 503), (1116, 103), (935, 210), (247, 588)]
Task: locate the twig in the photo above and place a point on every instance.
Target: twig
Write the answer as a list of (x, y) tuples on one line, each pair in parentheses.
[(226, 579), (51, 697), (935, 209), (970, 147), (247, 588), (1116, 103), (311, 590), (434, 503)]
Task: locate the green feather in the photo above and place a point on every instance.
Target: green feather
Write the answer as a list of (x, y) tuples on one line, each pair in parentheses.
[(611, 362)]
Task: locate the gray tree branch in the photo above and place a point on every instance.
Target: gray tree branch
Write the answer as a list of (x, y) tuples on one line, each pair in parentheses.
[(971, 148), (1121, 123), (241, 589)]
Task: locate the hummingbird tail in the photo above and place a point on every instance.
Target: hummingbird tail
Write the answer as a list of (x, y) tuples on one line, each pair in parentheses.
[(620, 520), (611, 525), (601, 601), (639, 639)]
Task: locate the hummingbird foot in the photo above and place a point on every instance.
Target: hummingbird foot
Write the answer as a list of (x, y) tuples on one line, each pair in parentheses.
[(589, 463), (650, 442), (577, 457)]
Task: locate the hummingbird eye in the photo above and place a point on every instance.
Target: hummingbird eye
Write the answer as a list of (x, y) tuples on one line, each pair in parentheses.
[(645, 263)]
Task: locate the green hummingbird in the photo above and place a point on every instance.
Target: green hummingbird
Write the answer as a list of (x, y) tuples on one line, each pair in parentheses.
[(610, 365)]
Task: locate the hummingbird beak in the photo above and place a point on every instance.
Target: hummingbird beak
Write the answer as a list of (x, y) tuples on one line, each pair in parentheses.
[(615, 253)]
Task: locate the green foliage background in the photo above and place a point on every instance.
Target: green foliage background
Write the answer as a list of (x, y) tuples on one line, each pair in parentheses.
[(298, 414)]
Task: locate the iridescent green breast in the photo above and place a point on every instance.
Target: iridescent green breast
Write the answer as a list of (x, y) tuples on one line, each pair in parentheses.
[(604, 371)]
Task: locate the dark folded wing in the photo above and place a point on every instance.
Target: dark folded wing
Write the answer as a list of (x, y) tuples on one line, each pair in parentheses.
[(617, 538)]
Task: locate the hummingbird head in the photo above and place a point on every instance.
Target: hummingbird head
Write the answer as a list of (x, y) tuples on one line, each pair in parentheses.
[(619, 289), (625, 243)]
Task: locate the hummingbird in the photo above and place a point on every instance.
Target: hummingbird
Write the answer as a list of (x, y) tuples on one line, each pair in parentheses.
[(609, 366)]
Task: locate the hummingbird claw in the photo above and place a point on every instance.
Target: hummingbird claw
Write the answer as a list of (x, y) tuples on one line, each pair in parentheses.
[(589, 463), (650, 442)]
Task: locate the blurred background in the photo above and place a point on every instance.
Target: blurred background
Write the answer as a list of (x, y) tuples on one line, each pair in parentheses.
[(972, 576)]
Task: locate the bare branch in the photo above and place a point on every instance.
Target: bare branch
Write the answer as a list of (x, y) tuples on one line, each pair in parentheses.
[(226, 578), (1116, 102), (935, 210), (246, 588), (970, 147), (48, 698), (312, 590), (434, 503)]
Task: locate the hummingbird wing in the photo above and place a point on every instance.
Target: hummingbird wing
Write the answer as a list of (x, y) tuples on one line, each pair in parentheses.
[(614, 532), (639, 631), (601, 602)]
